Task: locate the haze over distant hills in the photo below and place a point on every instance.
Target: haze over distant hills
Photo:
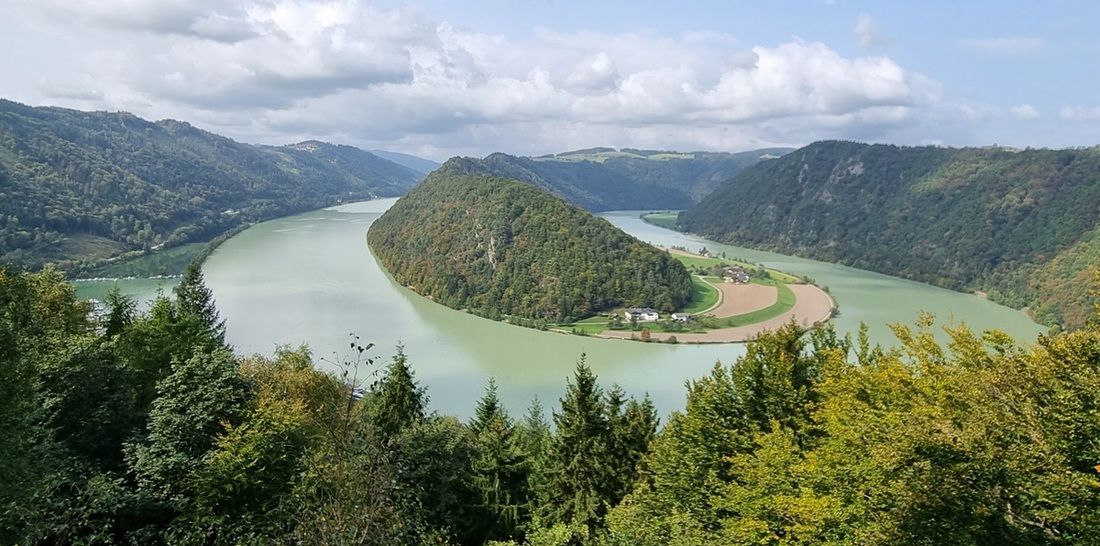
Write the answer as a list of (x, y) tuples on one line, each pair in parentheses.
[(600, 179), (79, 187), (1022, 225), (416, 163)]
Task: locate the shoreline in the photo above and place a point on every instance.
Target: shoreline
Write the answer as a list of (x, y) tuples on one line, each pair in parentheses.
[(813, 307)]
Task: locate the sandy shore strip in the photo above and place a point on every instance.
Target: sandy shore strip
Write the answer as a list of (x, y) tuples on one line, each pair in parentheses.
[(812, 305)]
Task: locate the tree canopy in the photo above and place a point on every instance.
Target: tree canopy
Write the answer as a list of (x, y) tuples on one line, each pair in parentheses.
[(504, 248), (153, 432)]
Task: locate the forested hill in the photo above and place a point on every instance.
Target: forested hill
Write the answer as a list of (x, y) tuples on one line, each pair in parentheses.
[(502, 247), (1022, 225), (608, 179), (78, 187)]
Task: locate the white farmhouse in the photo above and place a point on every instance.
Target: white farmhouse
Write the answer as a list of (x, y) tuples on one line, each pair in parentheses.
[(641, 314)]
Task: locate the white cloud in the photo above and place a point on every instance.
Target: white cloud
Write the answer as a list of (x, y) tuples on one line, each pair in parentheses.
[(1024, 112), (595, 73), (211, 19), (867, 32), (1006, 45), (283, 70), (1080, 113)]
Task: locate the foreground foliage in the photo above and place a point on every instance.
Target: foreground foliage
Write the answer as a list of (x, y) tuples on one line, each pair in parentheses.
[(501, 247), (142, 428), (1022, 225)]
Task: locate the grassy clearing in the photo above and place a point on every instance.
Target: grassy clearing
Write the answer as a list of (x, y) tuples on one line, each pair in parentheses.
[(665, 220), (598, 325), (670, 156), (703, 296), (706, 263), (601, 156)]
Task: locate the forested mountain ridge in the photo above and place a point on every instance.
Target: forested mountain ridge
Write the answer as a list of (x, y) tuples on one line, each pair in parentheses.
[(694, 173), (601, 179), (78, 187), (1021, 225), (501, 247)]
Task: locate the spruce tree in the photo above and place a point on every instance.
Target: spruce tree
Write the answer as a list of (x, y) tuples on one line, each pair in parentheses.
[(196, 302), (488, 408), (632, 425), (578, 486), (397, 401), (120, 311), (533, 437), (500, 469)]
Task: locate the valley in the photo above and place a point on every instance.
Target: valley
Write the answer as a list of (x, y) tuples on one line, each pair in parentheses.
[(380, 273), (311, 279)]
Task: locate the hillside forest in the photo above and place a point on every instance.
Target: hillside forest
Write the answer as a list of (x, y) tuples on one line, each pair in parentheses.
[(600, 179), (1019, 225), (85, 189), (505, 249)]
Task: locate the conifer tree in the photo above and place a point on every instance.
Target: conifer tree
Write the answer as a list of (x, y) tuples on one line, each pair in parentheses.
[(632, 426), (195, 301), (578, 485), (398, 401), (533, 438), (500, 468), (120, 311), (488, 409), (193, 407)]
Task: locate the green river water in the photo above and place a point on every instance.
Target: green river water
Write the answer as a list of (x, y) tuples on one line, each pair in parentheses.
[(310, 279)]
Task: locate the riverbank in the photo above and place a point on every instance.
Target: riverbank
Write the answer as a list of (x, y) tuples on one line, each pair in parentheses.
[(813, 306), (310, 279)]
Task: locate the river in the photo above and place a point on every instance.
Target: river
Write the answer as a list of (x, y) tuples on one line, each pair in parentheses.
[(310, 279)]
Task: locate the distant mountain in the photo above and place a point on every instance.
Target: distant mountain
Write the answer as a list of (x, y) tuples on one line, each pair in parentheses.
[(418, 164), (1023, 226), (500, 247), (78, 188), (600, 179)]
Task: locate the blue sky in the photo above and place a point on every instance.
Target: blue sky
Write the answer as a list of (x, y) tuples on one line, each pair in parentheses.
[(440, 78)]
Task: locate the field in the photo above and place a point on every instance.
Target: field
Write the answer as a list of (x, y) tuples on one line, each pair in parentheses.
[(170, 261), (811, 306), (665, 220), (597, 325), (694, 260), (725, 312), (704, 296), (784, 302)]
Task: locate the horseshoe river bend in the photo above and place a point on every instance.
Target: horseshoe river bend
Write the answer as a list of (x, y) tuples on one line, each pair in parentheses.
[(310, 279)]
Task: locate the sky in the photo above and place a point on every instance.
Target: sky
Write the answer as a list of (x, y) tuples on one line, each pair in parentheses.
[(442, 78)]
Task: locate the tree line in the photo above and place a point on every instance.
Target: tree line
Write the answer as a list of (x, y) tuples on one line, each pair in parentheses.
[(127, 427)]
